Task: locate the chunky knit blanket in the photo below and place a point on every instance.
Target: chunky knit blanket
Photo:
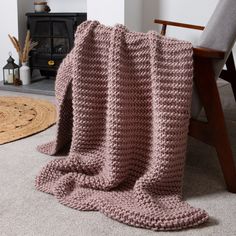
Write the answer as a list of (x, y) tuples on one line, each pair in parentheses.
[(124, 107)]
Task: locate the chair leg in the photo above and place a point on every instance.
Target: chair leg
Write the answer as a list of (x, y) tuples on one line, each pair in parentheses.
[(223, 148), (232, 73), (227, 164), (217, 133)]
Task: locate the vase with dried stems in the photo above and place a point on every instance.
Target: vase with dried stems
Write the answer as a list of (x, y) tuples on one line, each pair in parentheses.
[(24, 56)]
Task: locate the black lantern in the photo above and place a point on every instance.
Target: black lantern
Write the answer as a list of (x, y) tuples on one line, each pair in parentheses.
[(10, 71)]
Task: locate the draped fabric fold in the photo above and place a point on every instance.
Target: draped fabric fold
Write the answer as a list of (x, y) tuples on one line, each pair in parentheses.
[(123, 103)]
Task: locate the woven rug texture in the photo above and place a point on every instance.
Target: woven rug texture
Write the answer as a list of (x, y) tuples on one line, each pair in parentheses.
[(123, 101), (21, 117)]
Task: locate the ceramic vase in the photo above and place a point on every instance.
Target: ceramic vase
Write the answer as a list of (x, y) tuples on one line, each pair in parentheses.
[(25, 73)]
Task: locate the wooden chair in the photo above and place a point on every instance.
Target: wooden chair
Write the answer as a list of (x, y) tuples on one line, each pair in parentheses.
[(213, 52)]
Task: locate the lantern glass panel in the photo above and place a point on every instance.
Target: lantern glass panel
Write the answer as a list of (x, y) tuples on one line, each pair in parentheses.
[(16, 73), (8, 76)]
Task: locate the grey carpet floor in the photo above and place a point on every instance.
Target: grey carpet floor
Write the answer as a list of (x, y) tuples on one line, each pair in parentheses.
[(27, 212)]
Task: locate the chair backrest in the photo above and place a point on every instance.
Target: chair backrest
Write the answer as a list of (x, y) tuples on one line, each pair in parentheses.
[(220, 31)]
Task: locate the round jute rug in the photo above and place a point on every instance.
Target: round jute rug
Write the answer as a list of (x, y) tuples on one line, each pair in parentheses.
[(21, 117)]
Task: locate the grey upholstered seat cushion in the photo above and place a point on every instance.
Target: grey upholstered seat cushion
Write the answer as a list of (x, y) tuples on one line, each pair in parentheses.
[(219, 34)]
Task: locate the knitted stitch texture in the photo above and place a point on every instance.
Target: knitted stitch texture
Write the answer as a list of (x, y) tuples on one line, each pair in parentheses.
[(124, 106)]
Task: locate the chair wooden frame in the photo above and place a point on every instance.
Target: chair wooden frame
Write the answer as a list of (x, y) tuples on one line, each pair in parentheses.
[(213, 132)]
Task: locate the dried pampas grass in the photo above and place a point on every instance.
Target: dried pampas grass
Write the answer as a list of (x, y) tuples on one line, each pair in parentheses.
[(28, 46)]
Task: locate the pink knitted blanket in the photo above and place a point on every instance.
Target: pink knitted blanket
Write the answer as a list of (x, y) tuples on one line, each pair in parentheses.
[(124, 106)]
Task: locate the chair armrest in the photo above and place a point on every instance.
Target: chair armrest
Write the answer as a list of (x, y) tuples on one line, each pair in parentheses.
[(197, 51), (208, 53), (177, 24)]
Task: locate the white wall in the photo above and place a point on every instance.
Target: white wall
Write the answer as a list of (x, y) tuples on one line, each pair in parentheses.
[(68, 5), (138, 15), (133, 14), (13, 22), (107, 12), (24, 6), (186, 11), (8, 25), (127, 12)]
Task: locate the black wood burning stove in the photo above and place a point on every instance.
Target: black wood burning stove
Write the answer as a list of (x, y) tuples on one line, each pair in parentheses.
[(54, 33)]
